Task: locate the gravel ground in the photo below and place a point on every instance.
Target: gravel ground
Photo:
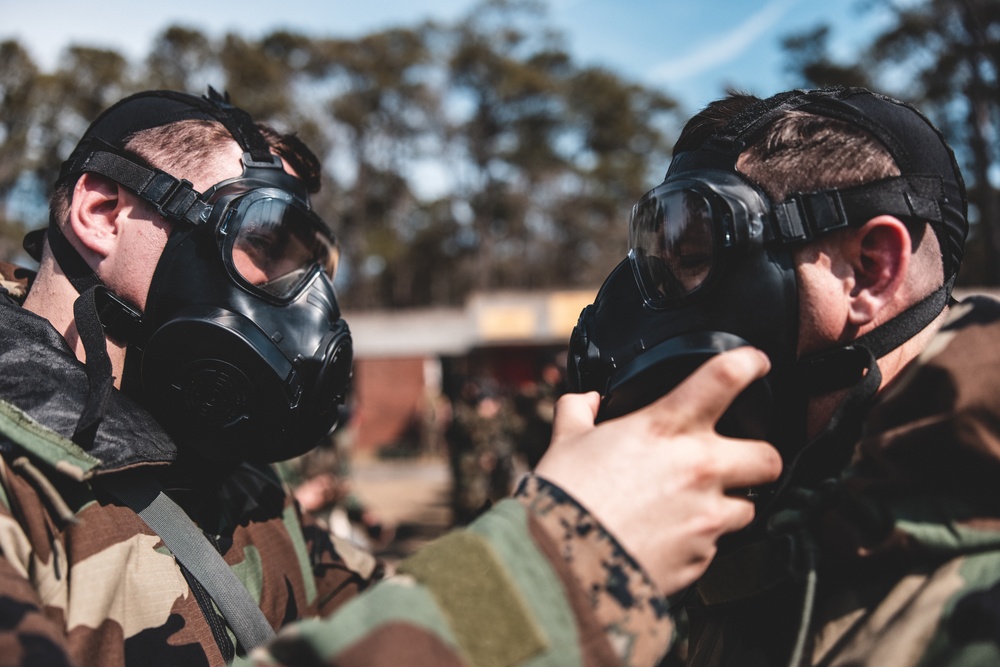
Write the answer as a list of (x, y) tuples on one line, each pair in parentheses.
[(411, 496)]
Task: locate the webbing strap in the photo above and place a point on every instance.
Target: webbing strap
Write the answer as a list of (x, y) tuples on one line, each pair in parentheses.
[(190, 546), (100, 382), (174, 198)]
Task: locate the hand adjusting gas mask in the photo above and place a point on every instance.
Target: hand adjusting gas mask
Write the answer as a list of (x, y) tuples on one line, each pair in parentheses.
[(241, 353), (710, 269)]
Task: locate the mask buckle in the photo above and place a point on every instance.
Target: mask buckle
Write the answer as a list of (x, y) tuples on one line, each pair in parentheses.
[(273, 163)]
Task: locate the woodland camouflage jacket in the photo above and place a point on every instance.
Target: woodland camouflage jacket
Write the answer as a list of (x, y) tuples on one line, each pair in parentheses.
[(83, 580), (906, 543)]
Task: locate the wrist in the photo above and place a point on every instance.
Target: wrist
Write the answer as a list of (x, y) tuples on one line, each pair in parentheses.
[(626, 602)]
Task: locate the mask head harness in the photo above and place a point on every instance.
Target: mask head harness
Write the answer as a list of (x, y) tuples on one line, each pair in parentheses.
[(240, 352), (710, 269)]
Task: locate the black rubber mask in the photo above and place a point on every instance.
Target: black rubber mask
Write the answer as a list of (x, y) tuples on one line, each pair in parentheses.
[(241, 352), (710, 269), (702, 277)]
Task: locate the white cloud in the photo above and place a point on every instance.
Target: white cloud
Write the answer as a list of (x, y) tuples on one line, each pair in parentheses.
[(721, 49)]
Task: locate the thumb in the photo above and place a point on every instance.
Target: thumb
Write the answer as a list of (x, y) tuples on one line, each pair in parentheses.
[(574, 413)]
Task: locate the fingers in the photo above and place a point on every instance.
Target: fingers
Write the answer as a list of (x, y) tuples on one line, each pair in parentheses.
[(736, 514), (745, 463), (574, 414), (703, 398)]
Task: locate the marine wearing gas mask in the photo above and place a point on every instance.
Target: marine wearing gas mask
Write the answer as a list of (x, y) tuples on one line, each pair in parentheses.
[(710, 268), (240, 352)]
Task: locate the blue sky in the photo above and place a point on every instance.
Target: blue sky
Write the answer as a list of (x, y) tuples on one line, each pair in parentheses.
[(692, 49)]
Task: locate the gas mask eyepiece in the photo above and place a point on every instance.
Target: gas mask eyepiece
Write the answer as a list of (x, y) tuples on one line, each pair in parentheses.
[(681, 232), (270, 243)]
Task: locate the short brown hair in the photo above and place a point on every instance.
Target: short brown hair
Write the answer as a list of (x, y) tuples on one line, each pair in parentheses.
[(803, 152), (799, 152), (185, 147)]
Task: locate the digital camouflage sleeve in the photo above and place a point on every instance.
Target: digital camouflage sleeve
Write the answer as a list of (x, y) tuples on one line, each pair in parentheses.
[(534, 581)]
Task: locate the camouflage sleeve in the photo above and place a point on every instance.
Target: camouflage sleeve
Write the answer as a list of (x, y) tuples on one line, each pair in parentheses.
[(27, 636), (628, 608), (534, 580)]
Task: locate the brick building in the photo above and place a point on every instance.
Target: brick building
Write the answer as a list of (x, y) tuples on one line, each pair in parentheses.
[(405, 360)]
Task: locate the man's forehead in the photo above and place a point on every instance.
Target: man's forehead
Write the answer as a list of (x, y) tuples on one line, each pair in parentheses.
[(226, 165)]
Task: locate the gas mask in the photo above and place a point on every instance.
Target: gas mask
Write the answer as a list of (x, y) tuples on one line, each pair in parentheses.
[(710, 268), (241, 352)]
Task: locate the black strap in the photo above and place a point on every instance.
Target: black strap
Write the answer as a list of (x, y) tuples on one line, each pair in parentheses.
[(119, 319), (886, 338), (174, 198), (100, 381), (79, 273), (241, 127), (842, 367), (803, 217), (193, 550)]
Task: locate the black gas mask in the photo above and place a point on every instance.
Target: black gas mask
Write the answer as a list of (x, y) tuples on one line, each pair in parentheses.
[(710, 269), (241, 352), (700, 252)]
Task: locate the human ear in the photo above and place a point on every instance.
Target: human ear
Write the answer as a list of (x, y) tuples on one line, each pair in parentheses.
[(879, 254), (94, 216)]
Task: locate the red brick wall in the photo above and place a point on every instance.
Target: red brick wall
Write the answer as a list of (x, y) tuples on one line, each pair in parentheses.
[(388, 393)]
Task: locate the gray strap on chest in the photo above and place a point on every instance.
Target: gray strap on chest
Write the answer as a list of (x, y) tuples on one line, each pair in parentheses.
[(190, 546)]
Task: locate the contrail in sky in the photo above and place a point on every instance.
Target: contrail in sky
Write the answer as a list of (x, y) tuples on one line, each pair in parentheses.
[(720, 49)]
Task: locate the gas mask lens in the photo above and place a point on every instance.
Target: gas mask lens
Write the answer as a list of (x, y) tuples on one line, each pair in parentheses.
[(672, 244), (278, 244)]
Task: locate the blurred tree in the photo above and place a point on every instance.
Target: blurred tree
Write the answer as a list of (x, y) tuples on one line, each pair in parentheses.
[(181, 59), (508, 69), (256, 75), (18, 76), (622, 131), (458, 156), (810, 62), (384, 108)]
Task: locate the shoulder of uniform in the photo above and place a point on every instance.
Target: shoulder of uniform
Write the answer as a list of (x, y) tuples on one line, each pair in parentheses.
[(22, 434)]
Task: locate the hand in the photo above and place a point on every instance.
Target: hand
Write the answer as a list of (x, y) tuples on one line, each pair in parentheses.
[(319, 491), (657, 478)]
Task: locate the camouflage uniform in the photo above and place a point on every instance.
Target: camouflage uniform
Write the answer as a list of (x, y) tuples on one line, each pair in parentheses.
[(534, 581), (84, 580), (905, 544), (481, 453)]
